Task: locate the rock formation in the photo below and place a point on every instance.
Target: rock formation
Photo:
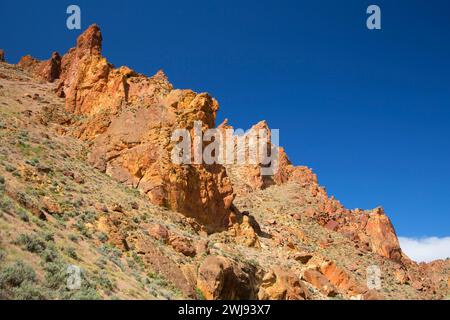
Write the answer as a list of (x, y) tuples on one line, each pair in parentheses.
[(231, 231), (129, 119)]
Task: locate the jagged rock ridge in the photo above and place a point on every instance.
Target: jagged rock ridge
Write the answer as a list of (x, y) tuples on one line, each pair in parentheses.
[(287, 223)]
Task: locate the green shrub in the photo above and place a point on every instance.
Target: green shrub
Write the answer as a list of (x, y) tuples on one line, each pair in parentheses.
[(29, 291), (55, 275), (2, 184), (103, 237), (24, 199), (6, 204), (50, 254), (10, 168), (14, 275), (86, 294), (73, 238), (23, 215), (38, 222), (113, 254), (199, 293), (48, 236), (104, 282), (31, 243), (71, 252), (2, 255)]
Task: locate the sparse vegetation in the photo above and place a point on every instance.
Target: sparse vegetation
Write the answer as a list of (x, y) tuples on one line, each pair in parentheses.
[(31, 243)]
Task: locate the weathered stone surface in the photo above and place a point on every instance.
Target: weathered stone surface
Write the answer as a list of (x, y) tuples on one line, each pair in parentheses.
[(182, 245), (382, 236), (220, 278), (279, 284), (341, 279), (159, 232), (48, 70), (129, 120), (319, 281), (303, 257), (245, 233)]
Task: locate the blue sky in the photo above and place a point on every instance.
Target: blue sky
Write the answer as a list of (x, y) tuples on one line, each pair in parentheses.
[(369, 111)]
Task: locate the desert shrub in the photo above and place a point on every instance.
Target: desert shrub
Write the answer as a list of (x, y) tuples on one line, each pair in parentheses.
[(6, 204), (29, 291), (14, 275), (10, 168), (2, 255), (113, 254), (85, 294), (104, 282), (101, 262), (32, 162), (31, 243), (81, 227), (199, 293), (23, 215), (38, 222), (72, 253), (138, 259), (24, 199), (73, 238), (88, 217), (157, 279), (2, 184), (55, 274), (50, 254), (103, 237), (47, 235)]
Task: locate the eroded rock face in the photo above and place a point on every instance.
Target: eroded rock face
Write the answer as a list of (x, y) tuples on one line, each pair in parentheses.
[(279, 284), (318, 280), (342, 280), (250, 177), (48, 70), (372, 228), (382, 236), (129, 120), (220, 278), (136, 149), (2, 55)]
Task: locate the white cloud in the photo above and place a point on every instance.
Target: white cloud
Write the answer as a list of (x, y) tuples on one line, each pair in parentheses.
[(426, 249)]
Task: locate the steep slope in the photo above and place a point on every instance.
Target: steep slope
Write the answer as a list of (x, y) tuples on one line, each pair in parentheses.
[(86, 179)]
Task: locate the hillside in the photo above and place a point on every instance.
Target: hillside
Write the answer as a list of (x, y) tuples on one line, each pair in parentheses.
[(86, 179)]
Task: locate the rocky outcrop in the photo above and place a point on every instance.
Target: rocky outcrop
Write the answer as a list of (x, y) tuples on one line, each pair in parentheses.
[(136, 148), (382, 237), (346, 284), (220, 278), (129, 120), (318, 280), (48, 70), (372, 228), (2, 55), (278, 284), (250, 176)]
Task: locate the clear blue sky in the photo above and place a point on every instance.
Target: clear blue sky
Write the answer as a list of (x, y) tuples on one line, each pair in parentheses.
[(369, 111)]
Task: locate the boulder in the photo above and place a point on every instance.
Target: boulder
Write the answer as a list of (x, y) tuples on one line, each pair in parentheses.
[(319, 281), (278, 284), (220, 278)]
